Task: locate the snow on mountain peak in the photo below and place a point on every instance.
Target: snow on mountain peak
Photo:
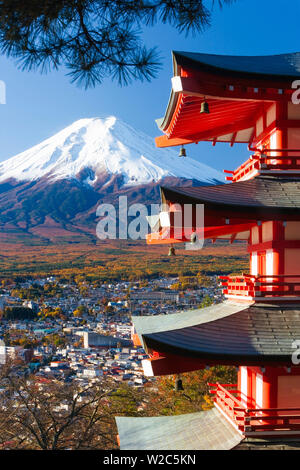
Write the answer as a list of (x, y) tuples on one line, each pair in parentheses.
[(103, 145)]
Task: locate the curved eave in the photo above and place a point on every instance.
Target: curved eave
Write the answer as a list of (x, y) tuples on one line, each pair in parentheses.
[(155, 323), (196, 78), (257, 199), (230, 209), (183, 123), (226, 333), (210, 358), (164, 122), (278, 67), (180, 60)]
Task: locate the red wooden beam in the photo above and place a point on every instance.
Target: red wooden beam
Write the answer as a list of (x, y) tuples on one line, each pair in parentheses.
[(165, 237), (233, 237), (168, 364), (274, 244), (269, 83), (193, 87), (164, 141), (233, 139)]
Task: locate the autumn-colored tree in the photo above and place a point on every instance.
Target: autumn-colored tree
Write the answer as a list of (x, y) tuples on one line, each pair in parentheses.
[(55, 416), (195, 396), (55, 339)]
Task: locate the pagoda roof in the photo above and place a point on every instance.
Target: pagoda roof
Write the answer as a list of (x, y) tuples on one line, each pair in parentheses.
[(260, 197), (155, 323), (285, 66), (205, 430), (237, 89), (246, 334)]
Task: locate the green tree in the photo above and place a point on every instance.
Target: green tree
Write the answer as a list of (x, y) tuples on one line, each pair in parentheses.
[(206, 302)]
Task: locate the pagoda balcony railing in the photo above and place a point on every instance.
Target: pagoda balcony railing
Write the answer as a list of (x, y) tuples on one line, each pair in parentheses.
[(264, 161), (261, 287), (254, 421)]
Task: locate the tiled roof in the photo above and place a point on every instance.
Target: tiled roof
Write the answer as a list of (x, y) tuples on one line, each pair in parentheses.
[(269, 444), (254, 335), (176, 321), (258, 193), (206, 430), (280, 65)]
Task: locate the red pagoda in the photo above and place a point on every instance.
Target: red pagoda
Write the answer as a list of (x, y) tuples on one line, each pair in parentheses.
[(257, 328)]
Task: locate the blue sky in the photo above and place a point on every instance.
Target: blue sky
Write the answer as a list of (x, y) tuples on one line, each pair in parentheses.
[(40, 105)]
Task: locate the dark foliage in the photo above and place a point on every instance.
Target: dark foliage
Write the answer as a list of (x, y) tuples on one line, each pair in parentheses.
[(94, 39), (18, 313)]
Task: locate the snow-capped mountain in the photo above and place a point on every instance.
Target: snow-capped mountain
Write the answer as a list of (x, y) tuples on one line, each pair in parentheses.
[(103, 145), (52, 190)]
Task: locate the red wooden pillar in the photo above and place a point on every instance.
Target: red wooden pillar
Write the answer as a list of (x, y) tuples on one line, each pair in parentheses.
[(281, 132), (278, 253), (270, 387), (263, 389)]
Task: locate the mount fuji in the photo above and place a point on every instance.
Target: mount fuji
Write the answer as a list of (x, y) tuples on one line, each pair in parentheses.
[(51, 191)]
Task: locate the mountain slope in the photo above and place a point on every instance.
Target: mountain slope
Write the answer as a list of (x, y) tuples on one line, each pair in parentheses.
[(103, 146), (51, 191)]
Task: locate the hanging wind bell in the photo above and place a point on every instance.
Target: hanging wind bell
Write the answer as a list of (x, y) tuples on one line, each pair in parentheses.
[(178, 385), (204, 108), (182, 152), (194, 237), (171, 251)]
